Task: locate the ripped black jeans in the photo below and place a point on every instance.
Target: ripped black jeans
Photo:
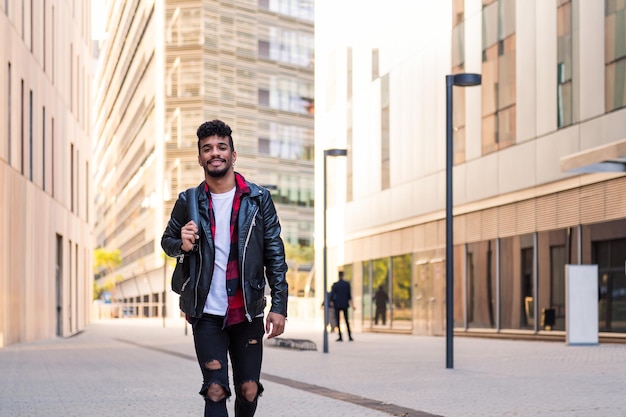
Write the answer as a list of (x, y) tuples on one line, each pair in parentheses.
[(244, 343)]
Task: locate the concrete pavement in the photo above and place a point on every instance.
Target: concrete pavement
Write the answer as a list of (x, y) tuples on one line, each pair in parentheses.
[(135, 367)]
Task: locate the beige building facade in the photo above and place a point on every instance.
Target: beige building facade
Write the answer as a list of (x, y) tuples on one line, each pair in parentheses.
[(165, 68), (539, 160), (45, 163)]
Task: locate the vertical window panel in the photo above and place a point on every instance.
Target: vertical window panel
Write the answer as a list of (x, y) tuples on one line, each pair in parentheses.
[(385, 139), (498, 75), (367, 306), (72, 177), (9, 116), (481, 279), (564, 63), (52, 158), (22, 139), (516, 284), (458, 66), (30, 135), (43, 147), (615, 54), (401, 306)]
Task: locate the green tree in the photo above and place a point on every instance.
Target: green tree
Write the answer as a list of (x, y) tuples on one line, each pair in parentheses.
[(104, 263), (298, 255)]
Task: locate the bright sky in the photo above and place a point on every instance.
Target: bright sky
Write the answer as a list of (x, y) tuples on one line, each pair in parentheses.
[(375, 23), (98, 19)]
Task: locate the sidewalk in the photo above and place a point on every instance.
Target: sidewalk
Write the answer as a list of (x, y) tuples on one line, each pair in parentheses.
[(135, 367)]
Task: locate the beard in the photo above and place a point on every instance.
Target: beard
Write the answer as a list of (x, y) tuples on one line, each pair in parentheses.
[(216, 173)]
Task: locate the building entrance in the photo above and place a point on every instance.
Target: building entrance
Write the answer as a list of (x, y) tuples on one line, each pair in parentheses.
[(610, 257)]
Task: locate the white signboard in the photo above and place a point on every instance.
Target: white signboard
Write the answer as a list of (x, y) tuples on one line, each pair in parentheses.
[(581, 301)]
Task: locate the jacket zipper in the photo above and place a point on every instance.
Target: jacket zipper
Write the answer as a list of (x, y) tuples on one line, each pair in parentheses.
[(243, 264), (181, 259)]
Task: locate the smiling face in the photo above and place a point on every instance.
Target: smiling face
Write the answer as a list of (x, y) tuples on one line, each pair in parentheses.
[(216, 157)]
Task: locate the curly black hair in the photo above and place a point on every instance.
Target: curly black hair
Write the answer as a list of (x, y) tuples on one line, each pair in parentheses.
[(215, 127)]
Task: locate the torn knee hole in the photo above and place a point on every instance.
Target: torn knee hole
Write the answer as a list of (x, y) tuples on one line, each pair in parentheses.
[(249, 390), (253, 341), (213, 365), (215, 392)]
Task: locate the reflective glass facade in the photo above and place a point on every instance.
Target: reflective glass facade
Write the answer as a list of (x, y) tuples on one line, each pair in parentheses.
[(521, 214)]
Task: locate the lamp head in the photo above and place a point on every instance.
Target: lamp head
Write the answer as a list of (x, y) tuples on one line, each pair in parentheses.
[(467, 80), (335, 152)]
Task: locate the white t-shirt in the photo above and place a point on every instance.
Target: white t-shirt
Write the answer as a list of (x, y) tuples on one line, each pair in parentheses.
[(217, 300)]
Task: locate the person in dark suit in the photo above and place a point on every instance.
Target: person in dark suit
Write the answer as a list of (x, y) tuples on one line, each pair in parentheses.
[(341, 299), (381, 299)]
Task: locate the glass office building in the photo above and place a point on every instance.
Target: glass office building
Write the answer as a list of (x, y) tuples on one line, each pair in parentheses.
[(165, 68), (539, 160)]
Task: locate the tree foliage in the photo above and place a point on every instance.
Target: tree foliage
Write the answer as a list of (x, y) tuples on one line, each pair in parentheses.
[(105, 261)]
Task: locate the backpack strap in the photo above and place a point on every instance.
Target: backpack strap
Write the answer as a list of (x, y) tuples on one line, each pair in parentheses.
[(192, 205), (193, 213)]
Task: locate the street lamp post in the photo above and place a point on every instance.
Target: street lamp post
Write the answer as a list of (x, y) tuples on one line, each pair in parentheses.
[(327, 153), (164, 293), (462, 80)]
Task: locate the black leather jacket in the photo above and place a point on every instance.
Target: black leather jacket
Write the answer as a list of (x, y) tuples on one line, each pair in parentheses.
[(261, 252)]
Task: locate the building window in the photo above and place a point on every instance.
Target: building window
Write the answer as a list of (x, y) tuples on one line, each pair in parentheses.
[(71, 83), (286, 142), (22, 139), (31, 26), (498, 75), (72, 177), (286, 46), (349, 122), (385, 151), (264, 97), (288, 95), (609, 256), (615, 54), (301, 9), (52, 42), (349, 167), (349, 77), (43, 147), (375, 63), (30, 135), (458, 66), (87, 191), (43, 34), (9, 115), (52, 156), (564, 64), (401, 305), (517, 282), (264, 49), (481, 284)]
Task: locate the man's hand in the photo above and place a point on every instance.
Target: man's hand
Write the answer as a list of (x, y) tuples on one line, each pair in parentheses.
[(189, 234), (274, 325)]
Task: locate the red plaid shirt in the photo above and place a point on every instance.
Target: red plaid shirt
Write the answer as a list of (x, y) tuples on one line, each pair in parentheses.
[(236, 312)]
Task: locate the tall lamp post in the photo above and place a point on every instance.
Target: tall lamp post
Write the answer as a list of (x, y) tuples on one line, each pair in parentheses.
[(462, 80), (327, 153)]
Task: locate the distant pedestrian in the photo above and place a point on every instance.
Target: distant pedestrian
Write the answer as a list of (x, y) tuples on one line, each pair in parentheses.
[(240, 250), (341, 299), (380, 300)]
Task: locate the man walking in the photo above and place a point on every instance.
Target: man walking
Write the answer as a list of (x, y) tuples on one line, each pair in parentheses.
[(238, 247), (341, 299)]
